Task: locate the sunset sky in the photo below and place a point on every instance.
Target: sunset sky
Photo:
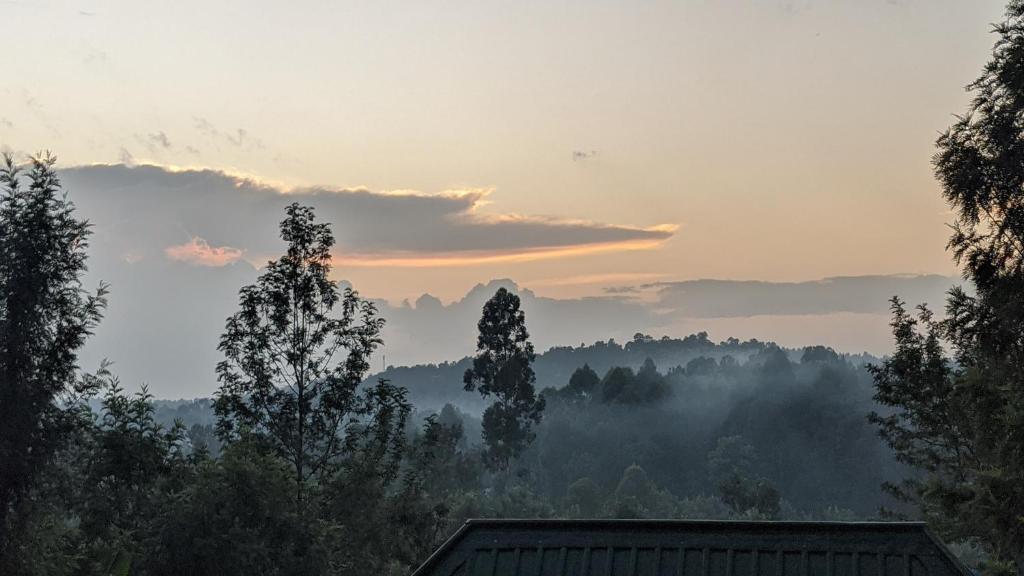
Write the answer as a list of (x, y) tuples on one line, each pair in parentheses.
[(576, 147)]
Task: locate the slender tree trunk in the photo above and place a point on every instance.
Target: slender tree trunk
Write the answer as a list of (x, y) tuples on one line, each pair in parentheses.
[(300, 385), (298, 484), (300, 458), (3, 529)]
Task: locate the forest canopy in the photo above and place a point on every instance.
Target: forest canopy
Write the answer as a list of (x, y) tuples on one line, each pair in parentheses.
[(305, 462)]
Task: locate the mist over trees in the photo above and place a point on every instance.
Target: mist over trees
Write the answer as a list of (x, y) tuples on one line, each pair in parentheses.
[(304, 463), (800, 414)]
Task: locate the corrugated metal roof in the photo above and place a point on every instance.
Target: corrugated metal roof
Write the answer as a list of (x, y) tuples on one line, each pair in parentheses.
[(690, 548)]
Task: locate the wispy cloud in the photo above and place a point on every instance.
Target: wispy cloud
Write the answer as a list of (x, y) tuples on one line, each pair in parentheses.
[(198, 251), (160, 139), (238, 137), (154, 142)]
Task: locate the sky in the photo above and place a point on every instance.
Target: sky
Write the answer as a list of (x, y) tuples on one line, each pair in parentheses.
[(606, 152)]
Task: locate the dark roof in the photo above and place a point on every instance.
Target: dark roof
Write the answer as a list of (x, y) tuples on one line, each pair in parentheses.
[(690, 548)]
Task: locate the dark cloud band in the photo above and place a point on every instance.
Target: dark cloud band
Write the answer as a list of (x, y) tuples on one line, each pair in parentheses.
[(151, 208), (854, 294)]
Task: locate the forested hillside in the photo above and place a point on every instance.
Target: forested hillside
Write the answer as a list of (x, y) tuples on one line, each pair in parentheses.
[(304, 462), (431, 386), (674, 408)]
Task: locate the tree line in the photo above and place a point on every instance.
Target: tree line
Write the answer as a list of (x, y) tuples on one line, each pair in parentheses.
[(310, 470)]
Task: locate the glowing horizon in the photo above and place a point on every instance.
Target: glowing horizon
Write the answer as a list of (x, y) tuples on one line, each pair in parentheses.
[(753, 129)]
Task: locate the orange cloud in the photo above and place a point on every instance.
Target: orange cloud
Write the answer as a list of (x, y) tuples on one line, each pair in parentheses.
[(198, 251), (472, 258), (606, 278)]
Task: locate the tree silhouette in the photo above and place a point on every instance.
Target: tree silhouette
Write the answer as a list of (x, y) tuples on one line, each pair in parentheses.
[(45, 317), (582, 384), (961, 419), (502, 369), (294, 356)]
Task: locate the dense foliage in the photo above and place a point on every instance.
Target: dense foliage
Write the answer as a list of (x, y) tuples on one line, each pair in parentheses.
[(292, 368), (45, 316), (502, 369), (960, 419), (301, 465)]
